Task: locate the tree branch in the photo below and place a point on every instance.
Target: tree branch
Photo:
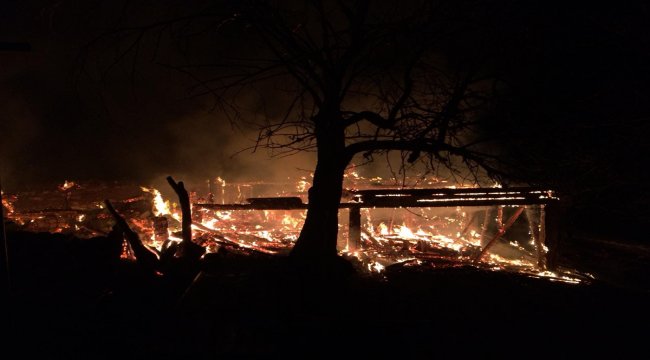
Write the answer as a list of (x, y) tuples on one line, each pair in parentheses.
[(144, 256)]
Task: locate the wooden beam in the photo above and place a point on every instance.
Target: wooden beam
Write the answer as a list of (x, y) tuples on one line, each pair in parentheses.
[(392, 203), (500, 233), (396, 198)]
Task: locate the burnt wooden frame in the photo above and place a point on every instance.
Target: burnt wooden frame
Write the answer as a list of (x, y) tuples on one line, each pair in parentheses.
[(439, 197)]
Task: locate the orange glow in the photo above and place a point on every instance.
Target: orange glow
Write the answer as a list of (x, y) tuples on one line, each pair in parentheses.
[(388, 235), (67, 185)]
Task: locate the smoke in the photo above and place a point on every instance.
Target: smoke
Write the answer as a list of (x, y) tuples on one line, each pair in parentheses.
[(65, 120), (204, 145), (62, 119)]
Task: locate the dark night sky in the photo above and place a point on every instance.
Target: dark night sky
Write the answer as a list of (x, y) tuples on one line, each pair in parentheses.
[(61, 120), (582, 64)]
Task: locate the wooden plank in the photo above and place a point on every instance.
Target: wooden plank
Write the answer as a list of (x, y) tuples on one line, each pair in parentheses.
[(391, 203), (354, 237), (251, 206), (532, 191)]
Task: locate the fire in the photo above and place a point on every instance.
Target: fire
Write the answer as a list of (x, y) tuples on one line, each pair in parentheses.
[(376, 267), (8, 205), (388, 235), (290, 222), (404, 232), (302, 185), (383, 229), (161, 207), (210, 223), (67, 185)]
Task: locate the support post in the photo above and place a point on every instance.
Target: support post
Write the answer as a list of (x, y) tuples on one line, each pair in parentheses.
[(536, 228), (552, 214), (354, 237), (541, 239), (484, 227)]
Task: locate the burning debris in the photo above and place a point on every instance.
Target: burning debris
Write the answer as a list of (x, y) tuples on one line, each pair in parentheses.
[(494, 228)]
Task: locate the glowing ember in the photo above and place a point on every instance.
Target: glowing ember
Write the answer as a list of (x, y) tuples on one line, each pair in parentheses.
[(376, 267), (387, 235), (161, 207), (8, 205), (302, 185), (404, 232), (383, 229), (67, 185)]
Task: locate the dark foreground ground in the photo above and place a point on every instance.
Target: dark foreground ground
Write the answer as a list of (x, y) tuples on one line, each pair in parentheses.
[(253, 307)]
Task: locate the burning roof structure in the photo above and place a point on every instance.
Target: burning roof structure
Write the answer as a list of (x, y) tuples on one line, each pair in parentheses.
[(379, 225)]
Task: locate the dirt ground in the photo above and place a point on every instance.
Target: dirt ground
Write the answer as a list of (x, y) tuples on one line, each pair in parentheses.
[(241, 307)]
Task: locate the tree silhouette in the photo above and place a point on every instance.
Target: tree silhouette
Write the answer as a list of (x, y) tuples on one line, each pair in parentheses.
[(354, 78)]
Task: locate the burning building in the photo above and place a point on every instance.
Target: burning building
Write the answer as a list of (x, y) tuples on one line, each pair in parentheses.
[(380, 225)]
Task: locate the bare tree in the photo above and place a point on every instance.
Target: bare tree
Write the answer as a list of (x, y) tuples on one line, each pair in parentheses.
[(359, 78)]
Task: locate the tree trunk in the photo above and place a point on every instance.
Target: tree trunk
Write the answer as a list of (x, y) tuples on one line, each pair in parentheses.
[(318, 238)]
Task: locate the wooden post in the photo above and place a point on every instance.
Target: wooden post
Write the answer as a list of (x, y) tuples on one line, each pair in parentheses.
[(537, 230), (484, 227), (541, 236), (354, 237), (550, 222)]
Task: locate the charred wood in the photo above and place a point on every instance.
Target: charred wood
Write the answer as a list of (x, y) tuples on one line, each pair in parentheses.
[(144, 256), (502, 230)]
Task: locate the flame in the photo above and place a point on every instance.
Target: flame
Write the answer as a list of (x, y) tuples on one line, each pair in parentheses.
[(452, 234), (9, 206), (383, 229), (302, 185), (161, 207), (210, 223), (404, 232), (67, 185), (290, 222), (376, 267)]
